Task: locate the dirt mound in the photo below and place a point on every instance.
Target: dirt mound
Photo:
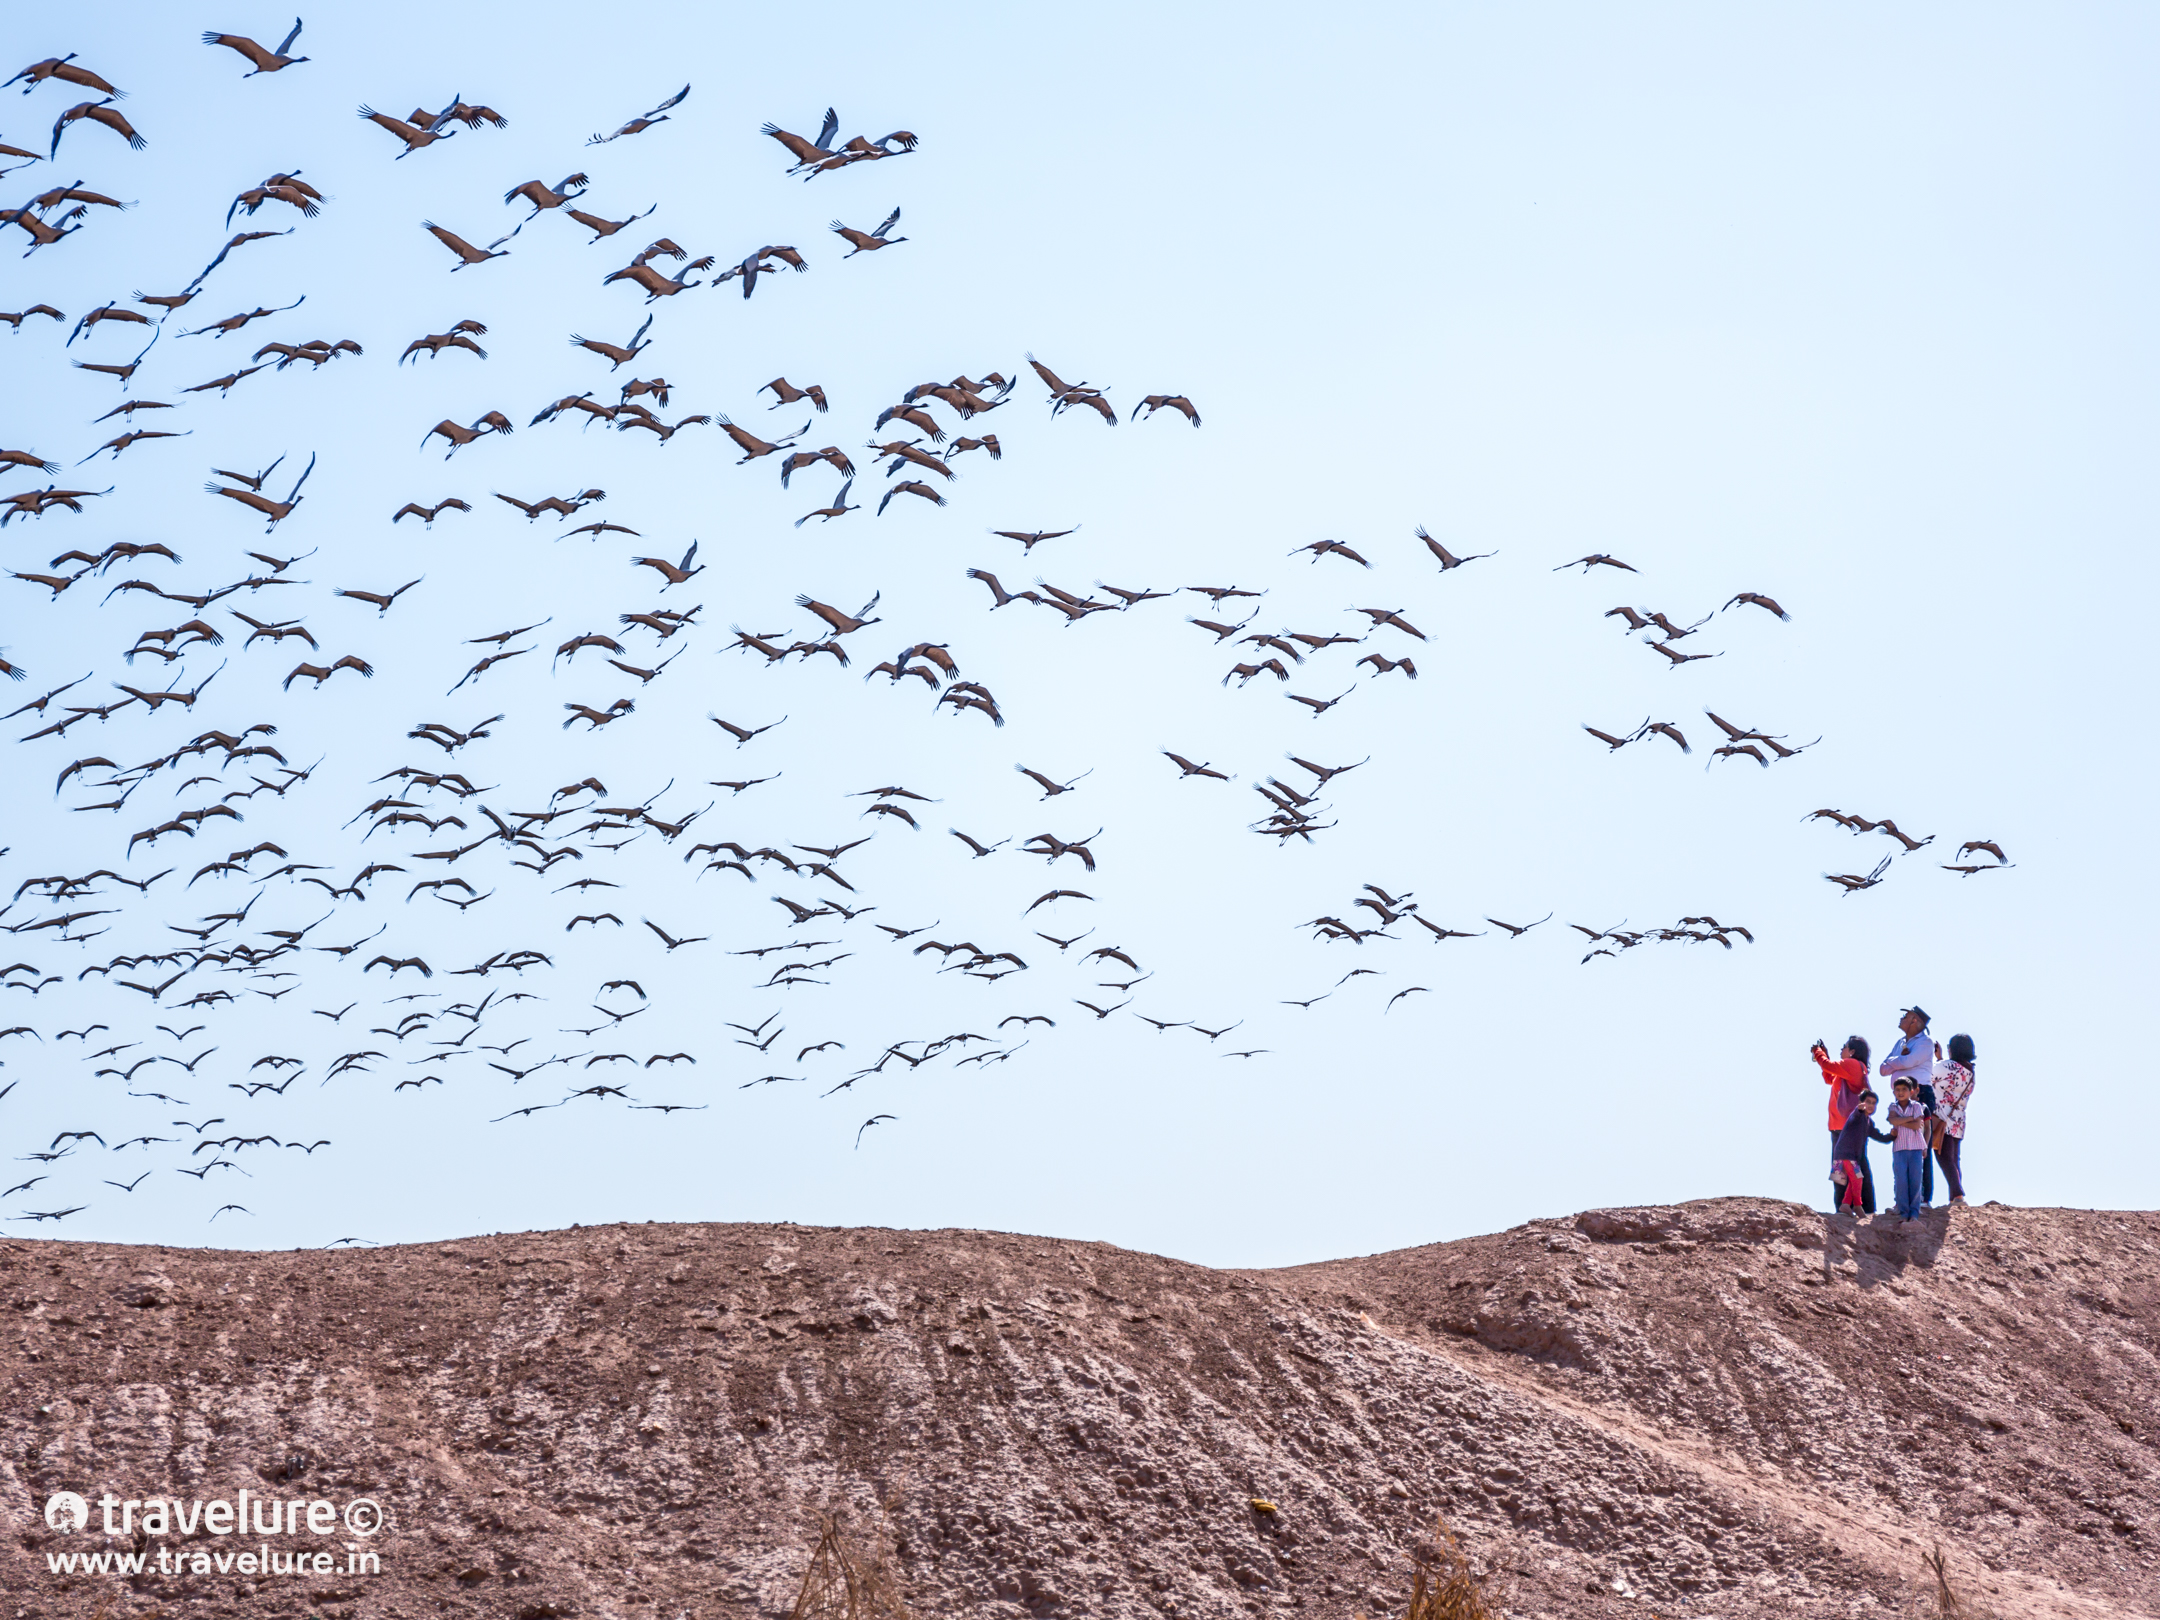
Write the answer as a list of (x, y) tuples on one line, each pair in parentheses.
[(1729, 1408)]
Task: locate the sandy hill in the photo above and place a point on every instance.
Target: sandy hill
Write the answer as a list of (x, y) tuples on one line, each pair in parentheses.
[(1728, 1408)]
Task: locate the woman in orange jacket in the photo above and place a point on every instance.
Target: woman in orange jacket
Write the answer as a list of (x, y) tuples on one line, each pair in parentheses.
[(1847, 1077)]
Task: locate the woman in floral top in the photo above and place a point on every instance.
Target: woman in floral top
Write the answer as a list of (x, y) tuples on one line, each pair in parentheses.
[(1953, 1085)]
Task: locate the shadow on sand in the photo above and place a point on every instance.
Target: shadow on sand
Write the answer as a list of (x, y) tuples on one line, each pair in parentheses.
[(1881, 1246)]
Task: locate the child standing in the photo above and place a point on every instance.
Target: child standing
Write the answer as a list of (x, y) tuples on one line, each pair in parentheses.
[(1848, 1154), (1909, 1129)]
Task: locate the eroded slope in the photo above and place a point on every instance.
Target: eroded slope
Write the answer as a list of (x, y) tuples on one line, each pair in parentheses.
[(1699, 1409)]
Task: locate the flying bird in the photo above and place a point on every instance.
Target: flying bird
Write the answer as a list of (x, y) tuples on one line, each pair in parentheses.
[(428, 514), (1323, 548), (1172, 402), (839, 508), (620, 354), (1187, 768), (1755, 600), (265, 61), (65, 70), (1057, 894), (377, 599), (274, 510), (673, 573), (643, 121), (866, 1124), (321, 672), (806, 153), (868, 241), (910, 487), (1678, 658), (288, 189), (459, 336), (1669, 731), (418, 133), (1852, 883), (543, 197), (1052, 789), (1446, 557), (669, 940), (459, 437), (97, 112), (468, 255), (786, 393)]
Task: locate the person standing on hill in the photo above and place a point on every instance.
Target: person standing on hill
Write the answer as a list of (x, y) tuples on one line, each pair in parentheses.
[(1914, 1058), (1847, 1079), (1911, 1122), (1848, 1156), (1953, 1086)]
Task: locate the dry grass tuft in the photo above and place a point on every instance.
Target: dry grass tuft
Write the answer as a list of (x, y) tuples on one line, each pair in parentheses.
[(1949, 1603), (850, 1576), (1443, 1586)]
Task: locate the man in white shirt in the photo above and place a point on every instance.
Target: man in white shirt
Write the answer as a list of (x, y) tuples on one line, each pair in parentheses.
[(1913, 1058)]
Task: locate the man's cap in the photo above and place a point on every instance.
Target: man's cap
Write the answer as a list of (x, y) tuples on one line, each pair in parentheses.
[(1918, 1012)]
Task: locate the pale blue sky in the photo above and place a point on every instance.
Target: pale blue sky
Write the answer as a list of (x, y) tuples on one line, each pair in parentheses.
[(1846, 306)]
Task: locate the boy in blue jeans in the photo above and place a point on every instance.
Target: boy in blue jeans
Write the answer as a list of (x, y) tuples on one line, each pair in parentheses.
[(1908, 1119)]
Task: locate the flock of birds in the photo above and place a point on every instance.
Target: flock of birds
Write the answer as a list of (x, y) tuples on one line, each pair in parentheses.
[(451, 834)]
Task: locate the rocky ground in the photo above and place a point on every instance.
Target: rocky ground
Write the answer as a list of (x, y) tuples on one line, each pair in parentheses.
[(1732, 1408)]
